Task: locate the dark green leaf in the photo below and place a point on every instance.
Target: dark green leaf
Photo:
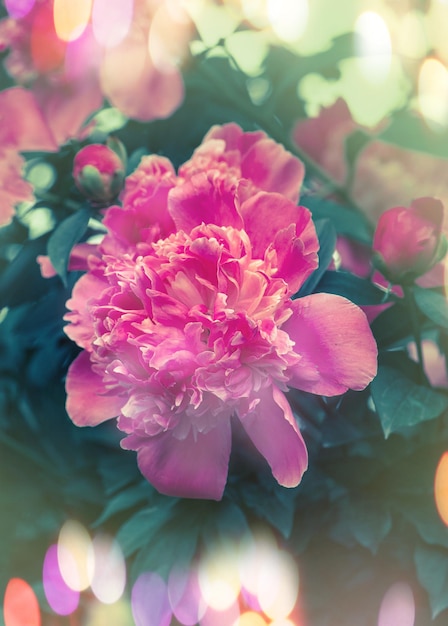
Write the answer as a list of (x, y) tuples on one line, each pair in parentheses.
[(401, 403), (421, 512), (172, 545), (140, 528), (432, 572), (393, 327), (370, 523), (64, 237), (327, 243), (22, 281), (434, 305), (358, 290), (277, 508), (346, 221), (126, 499)]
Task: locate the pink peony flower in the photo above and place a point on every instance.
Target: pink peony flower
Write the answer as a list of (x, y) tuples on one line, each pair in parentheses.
[(408, 241), (98, 172), (192, 325)]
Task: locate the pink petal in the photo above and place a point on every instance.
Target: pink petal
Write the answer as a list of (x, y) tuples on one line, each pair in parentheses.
[(81, 329), (333, 337), (274, 432), (266, 214), (272, 168), (204, 199), (67, 106), (132, 83), (22, 124), (86, 403), (194, 467), (13, 189)]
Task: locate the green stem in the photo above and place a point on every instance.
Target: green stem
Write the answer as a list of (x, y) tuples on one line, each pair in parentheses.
[(413, 312)]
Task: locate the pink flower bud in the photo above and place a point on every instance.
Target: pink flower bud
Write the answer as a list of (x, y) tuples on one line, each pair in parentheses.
[(98, 172), (409, 241)]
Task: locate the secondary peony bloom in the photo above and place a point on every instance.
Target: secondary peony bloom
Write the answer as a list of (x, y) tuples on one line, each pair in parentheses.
[(186, 322), (408, 241), (98, 172)]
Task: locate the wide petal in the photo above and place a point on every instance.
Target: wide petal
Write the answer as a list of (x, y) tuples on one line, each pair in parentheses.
[(22, 124), (337, 348), (272, 168), (204, 199), (87, 403), (273, 430), (193, 467)]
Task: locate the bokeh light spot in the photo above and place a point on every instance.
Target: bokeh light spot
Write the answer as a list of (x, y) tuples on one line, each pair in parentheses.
[(433, 93), (47, 50), (441, 488), (219, 578), (278, 585), (185, 596), (398, 606), (150, 603), (60, 597), (288, 18), (111, 21), (169, 36), (75, 555), (109, 570), (17, 9), (71, 18), (20, 605), (373, 46), (117, 614), (250, 618)]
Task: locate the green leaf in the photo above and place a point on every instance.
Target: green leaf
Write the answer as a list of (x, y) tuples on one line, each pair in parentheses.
[(401, 403), (409, 131), (277, 508), (327, 242), (140, 528), (432, 572), (346, 221), (107, 121), (370, 522), (358, 290), (363, 521), (421, 512), (172, 545), (393, 327), (64, 237), (125, 500), (432, 304)]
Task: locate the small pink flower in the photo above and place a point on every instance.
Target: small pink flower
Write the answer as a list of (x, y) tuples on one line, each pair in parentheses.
[(98, 172), (187, 323), (408, 241)]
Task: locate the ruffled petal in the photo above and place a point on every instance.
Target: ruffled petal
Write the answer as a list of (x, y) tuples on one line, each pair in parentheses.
[(193, 467), (81, 328), (273, 430), (87, 404), (337, 348)]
